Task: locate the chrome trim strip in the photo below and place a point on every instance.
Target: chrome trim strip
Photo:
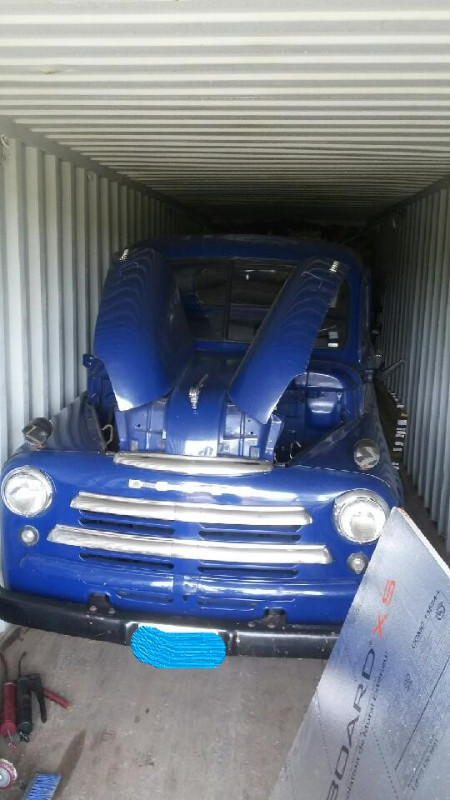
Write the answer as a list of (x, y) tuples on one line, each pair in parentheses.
[(193, 465), (201, 513), (196, 549)]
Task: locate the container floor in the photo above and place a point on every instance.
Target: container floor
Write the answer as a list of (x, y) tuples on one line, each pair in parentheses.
[(138, 732)]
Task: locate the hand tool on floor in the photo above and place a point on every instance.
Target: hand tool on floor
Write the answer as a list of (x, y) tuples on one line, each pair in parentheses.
[(42, 787), (26, 686), (56, 698), (8, 727)]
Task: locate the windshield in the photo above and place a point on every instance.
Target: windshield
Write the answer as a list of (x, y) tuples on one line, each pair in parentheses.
[(228, 299)]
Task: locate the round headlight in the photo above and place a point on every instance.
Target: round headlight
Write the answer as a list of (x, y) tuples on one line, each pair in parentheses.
[(359, 515), (27, 491)]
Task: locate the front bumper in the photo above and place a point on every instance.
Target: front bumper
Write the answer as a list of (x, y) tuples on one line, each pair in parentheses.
[(114, 625)]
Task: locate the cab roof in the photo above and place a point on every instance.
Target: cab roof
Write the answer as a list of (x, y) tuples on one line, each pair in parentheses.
[(275, 248)]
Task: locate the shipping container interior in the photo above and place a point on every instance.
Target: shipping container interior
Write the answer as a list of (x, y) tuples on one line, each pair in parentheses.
[(126, 120)]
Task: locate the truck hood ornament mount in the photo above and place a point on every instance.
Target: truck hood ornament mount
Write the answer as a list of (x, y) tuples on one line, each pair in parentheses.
[(195, 391)]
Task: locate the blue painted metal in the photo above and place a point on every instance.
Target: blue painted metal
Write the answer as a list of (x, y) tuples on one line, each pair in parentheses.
[(319, 415), (282, 348), (75, 428), (273, 250), (142, 336), (171, 650), (338, 446), (313, 594), (216, 427)]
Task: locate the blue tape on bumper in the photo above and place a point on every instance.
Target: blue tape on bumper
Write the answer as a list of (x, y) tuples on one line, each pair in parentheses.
[(168, 650)]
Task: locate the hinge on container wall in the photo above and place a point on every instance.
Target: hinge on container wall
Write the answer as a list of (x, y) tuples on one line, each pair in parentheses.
[(4, 145)]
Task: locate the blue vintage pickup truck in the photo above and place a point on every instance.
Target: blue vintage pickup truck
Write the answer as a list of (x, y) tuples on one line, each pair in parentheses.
[(226, 469)]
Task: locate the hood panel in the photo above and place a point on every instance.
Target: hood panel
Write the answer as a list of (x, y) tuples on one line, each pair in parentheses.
[(142, 335), (282, 348)]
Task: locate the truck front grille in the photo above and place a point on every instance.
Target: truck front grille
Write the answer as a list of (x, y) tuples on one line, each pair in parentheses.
[(242, 537), (124, 525), (193, 549), (287, 535), (201, 513)]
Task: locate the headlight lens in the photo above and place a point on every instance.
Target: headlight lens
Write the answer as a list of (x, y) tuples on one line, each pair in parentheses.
[(27, 491), (359, 515)]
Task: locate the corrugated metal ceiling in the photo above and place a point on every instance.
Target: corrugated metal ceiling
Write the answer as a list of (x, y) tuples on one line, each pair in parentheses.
[(308, 105)]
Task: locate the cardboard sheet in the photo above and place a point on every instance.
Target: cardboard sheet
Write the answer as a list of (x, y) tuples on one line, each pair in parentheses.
[(378, 727)]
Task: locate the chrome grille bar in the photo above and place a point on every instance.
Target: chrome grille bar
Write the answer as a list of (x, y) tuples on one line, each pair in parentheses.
[(201, 513), (197, 549), (193, 465)]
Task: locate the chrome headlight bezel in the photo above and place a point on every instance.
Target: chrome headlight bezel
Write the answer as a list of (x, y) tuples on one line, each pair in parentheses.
[(375, 506), (27, 472)]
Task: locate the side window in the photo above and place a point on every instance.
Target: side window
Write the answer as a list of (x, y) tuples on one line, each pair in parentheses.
[(253, 291), (210, 285), (229, 299), (203, 288)]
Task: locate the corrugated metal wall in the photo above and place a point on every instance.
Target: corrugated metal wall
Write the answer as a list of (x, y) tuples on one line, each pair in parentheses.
[(59, 224), (414, 264), (329, 107)]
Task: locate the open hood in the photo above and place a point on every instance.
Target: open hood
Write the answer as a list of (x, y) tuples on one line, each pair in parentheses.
[(282, 348), (143, 339), (142, 335)]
